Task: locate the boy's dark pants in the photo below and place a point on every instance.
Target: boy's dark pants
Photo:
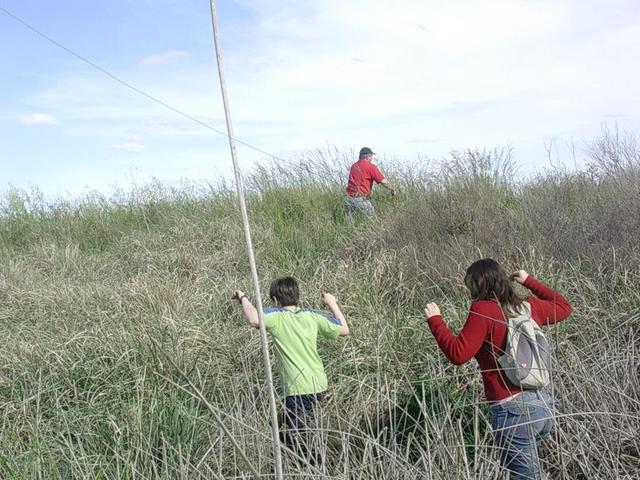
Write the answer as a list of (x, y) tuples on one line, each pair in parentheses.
[(299, 426)]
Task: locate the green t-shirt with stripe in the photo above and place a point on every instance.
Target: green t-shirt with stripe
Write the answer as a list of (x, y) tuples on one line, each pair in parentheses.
[(295, 334)]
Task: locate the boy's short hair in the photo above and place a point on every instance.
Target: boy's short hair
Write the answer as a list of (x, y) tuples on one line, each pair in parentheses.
[(285, 290)]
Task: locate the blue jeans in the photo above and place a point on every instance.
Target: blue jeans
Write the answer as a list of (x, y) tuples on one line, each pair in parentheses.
[(300, 410), (299, 426), (358, 206), (518, 427)]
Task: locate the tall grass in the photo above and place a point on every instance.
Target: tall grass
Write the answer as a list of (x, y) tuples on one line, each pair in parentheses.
[(108, 306)]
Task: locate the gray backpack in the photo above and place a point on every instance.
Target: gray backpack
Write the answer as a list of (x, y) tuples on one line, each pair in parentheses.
[(526, 359)]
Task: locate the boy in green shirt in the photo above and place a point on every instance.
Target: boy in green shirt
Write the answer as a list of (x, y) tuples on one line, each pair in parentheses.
[(295, 332)]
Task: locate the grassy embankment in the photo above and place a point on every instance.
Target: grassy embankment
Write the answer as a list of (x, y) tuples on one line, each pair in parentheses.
[(88, 288)]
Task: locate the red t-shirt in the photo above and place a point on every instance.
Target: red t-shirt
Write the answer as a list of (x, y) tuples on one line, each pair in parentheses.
[(361, 177), (486, 323)]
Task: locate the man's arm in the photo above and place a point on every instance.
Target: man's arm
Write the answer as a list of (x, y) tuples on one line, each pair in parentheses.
[(248, 310), (386, 184), (330, 301), (378, 177)]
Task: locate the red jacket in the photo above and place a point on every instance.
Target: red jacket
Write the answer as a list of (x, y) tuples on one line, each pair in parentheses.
[(486, 323)]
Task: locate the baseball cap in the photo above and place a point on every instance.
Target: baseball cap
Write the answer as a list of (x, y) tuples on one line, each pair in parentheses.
[(366, 151)]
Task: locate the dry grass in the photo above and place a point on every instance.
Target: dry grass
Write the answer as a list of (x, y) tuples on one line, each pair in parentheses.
[(100, 298)]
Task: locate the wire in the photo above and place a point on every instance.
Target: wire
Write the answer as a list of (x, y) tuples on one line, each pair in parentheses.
[(132, 87)]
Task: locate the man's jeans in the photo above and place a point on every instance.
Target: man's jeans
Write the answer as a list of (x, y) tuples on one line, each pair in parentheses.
[(354, 206), (518, 426)]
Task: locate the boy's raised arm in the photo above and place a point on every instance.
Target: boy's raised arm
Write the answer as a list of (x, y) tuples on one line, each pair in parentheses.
[(248, 310), (331, 302)]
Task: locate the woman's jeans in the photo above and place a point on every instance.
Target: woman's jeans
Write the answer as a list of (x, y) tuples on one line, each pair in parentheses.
[(518, 426)]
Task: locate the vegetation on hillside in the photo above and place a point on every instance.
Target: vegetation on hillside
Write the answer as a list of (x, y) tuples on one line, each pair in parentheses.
[(102, 298)]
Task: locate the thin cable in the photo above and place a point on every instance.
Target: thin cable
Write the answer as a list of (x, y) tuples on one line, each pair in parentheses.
[(132, 87), (241, 197), (275, 430)]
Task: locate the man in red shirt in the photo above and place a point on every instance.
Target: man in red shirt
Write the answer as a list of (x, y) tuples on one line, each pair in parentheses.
[(361, 177)]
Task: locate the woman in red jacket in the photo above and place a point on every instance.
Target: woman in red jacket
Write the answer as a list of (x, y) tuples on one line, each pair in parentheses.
[(519, 418)]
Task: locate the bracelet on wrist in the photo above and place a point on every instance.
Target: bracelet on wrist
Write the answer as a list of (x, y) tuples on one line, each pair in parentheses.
[(241, 298)]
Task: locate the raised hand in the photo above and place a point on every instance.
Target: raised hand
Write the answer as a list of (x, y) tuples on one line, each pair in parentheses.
[(328, 299), (519, 276), (237, 295), (431, 310)]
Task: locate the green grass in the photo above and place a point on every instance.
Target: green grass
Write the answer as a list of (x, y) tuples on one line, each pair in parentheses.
[(95, 293)]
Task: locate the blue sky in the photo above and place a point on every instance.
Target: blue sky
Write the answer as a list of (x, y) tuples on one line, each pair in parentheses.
[(409, 78)]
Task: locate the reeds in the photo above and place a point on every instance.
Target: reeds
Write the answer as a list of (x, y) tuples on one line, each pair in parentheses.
[(97, 294)]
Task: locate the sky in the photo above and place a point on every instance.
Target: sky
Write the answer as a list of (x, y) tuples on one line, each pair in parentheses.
[(411, 78)]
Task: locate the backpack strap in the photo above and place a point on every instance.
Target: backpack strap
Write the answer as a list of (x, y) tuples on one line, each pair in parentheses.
[(488, 345)]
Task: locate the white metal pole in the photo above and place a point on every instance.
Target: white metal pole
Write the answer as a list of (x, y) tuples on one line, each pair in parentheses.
[(277, 456)]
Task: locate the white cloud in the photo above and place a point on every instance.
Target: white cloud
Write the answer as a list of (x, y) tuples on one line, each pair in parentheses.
[(135, 137), (38, 119), (172, 57), (134, 143), (129, 147), (457, 71)]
